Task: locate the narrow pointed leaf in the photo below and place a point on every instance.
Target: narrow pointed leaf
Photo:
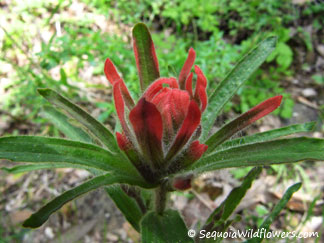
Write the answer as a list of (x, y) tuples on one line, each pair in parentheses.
[(225, 210), (275, 212), (234, 80), (43, 166), (266, 153), (40, 217), (243, 121), (145, 56), (171, 71), (56, 150), (95, 127), (62, 123), (268, 135), (168, 227), (218, 219), (126, 205)]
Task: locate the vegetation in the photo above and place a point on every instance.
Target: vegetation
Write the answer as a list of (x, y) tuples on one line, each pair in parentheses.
[(65, 51), (221, 32)]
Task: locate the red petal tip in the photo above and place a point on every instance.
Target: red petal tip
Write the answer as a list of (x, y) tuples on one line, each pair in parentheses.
[(157, 86), (182, 184), (278, 98), (196, 150), (122, 141), (264, 108), (201, 76), (200, 91), (267, 106), (187, 67), (111, 72)]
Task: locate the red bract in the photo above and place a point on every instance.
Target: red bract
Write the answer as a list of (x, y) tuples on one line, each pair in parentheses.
[(160, 132), (181, 183)]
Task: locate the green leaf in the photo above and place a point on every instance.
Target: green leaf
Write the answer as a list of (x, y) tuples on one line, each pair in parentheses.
[(234, 80), (275, 212), (63, 79), (95, 127), (266, 153), (285, 55), (224, 211), (168, 227), (126, 205), (218, 220), (62, 123), (171, 71), (147, 64), (57, 150), (30, 167), (268, 135), (39, 218), (242, 121)]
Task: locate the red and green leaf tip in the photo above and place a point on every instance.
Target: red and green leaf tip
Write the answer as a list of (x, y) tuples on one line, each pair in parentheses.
[(160, 132)]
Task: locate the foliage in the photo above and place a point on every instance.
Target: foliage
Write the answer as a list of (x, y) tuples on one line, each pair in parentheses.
[(17, 236), (223, 30), (277, 209), (160, 148), (70, 54), (242, 25)]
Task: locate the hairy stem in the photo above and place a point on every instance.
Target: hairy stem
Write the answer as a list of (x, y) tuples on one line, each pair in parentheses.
[(160, 198)]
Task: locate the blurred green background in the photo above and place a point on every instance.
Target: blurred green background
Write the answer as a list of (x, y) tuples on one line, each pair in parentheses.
[(63, 45)]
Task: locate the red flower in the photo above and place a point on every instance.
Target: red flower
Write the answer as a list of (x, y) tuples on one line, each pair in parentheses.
[(160, 131)]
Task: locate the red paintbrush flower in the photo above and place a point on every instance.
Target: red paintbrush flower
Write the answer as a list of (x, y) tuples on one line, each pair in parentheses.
[(161, 130)]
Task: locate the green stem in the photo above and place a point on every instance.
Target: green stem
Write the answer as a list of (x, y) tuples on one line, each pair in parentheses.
[(160, 198)]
